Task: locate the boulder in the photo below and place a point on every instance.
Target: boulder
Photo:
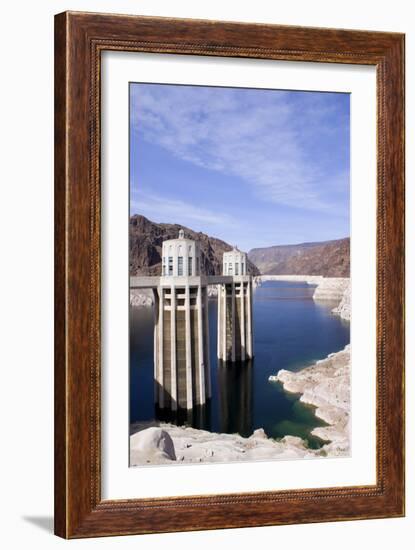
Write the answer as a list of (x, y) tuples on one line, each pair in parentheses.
[(153, 445), (259, 433)]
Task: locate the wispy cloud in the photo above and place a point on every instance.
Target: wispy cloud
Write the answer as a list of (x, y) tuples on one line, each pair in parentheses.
[(268, 143), (165, 209)]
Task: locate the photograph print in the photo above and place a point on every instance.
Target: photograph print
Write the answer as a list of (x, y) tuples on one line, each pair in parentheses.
[(239, 266)]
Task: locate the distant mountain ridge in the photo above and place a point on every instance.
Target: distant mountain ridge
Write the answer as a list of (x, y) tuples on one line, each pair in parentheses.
[(146, 238), (327, 258)]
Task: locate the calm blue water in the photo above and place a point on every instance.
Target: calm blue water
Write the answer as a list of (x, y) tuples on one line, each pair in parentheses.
[(291, 331)]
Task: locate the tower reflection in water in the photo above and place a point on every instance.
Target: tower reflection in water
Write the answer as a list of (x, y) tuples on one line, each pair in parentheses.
[(235, 402), (199, 417), (235, 397)]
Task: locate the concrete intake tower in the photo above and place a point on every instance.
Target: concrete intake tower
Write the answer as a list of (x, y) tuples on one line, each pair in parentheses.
[(235, 342), (181, 336), (182, 379)]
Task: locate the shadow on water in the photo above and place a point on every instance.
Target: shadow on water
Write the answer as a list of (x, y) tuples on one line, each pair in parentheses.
[(197, 417), (291, 331), (234, 381), (235, 397)]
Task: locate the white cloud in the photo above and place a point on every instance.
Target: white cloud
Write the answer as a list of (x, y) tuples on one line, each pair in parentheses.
[(262, 143), (168, 210)]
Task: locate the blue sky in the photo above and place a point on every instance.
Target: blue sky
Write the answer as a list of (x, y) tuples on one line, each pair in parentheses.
[(252, 167)]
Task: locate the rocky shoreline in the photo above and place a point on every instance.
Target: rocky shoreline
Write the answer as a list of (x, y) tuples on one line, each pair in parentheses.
[(141, 298), (309, 279), (330, 289), (324, 385), (344, 307)]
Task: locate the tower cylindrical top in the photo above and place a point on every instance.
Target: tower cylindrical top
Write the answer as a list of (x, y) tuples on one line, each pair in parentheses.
[(234, 262), (180, 257)]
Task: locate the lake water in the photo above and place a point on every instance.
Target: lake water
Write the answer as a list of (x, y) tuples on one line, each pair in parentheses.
[(291, 331)]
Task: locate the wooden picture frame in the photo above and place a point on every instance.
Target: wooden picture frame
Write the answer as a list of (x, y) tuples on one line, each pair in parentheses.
[(79, 40)]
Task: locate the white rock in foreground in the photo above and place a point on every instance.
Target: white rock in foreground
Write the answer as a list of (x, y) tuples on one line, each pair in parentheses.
[(153, 445)]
